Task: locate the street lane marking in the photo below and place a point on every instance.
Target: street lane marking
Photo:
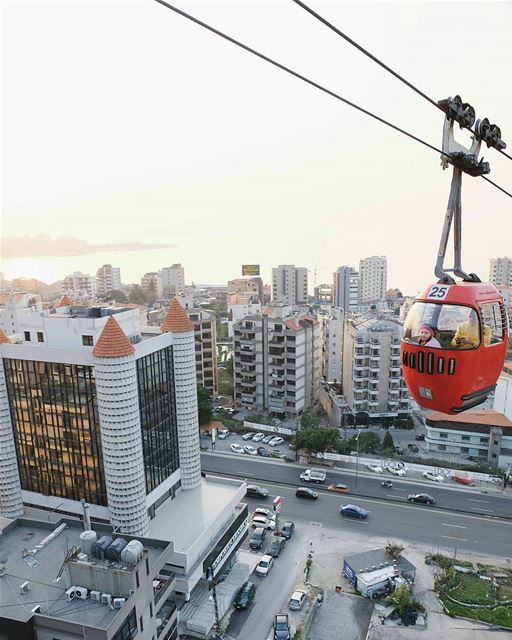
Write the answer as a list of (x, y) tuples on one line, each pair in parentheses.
[(475, 500), (397, 489), (356, 521), (455, 538), (447, 524), (391, 495), (480, 509)]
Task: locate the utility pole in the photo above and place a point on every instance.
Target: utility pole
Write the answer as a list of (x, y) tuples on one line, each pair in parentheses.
[(357, 453), (213, 583)]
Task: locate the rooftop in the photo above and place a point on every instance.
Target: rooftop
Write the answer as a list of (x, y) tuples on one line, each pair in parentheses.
[(176, 319), (376, 559), (112, 342), (488, 418)]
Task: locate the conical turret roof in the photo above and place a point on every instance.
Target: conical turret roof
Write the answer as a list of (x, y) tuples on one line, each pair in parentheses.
[(112, 342), (176, 320), (65, 301)]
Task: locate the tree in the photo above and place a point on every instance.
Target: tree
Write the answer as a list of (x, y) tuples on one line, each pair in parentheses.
[(137, 295), (394, 549), (369, 442), (204, 405), (401, 597), (387, 443), (117, 295), (317, 439), (308, 420)]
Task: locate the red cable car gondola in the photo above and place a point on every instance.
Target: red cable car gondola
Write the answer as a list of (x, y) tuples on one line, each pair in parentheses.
[(456, 334)]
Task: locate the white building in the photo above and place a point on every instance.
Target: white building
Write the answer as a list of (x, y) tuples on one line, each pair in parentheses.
[(108, 278), (172, 280), (151, 281), (373, 277), (371, 372), (277, 361), (500, 272), (79, 284), (289, 284), (241, 305), (346, 288), (332, 345), (503, 392), (14, 307)]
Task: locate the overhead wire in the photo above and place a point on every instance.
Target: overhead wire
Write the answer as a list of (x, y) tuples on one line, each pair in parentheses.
[(298, 75), (394, 73)]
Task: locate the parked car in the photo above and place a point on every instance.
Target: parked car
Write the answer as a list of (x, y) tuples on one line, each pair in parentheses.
[(421, 498), (297, 600), (265, 564), (265, 523), (258, 437), (281, 627), (250, 451), (338, 488), (276, 546), (413, 448), (353, 511), (279, 454), (244, 596), (374, 468), (255, 491), (429, 475), (267, 439), (396, 470), (248, 436), (398, 450), (275, 441), (257, 538), (305, 492), (267, 513), (264, 453), (222, 434), (230, 411), (287, 529), (464, 480), (236, 448), (420, 436)]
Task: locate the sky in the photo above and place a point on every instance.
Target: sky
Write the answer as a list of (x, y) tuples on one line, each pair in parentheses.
[(125, 124)]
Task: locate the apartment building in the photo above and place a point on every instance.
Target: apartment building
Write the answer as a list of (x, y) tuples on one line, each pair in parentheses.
[(14, 307), (346, 288), (289, 284), (172, 280), (332, 347), (323, 293), (500, 272), (108, 278), (241, 305), (373, 276), (371, 374), (277, 361), (151, 281), (205, 336), (252, 285), (79, 284)]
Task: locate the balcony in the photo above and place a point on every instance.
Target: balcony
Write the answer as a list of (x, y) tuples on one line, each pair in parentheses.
[(358, 377), (394, 368), (248, 399)]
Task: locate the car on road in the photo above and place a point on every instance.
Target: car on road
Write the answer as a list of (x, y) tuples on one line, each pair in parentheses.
[(236, 448), (297, 600), (264, 453), (276, 546), (281, 627), (267, 513), (287, 529), (255, 491), (313, 475), (420, 436), (374, 468), (258, 437), (244, 596), (257, 538), (304, 492), (338, 488), (435, 477), (275, 441), (264, 523), (267, 439), (250, 451), (353, 511), (248, 436), (421, 498), (222, 434), (264, 565), (387, 484)]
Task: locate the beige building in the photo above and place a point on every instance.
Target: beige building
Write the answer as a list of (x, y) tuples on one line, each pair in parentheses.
[(108, 278), (373, 277), (500, 272), (289, 284)]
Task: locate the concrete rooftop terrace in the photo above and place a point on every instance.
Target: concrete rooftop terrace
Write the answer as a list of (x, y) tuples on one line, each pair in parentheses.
[(41, 568)]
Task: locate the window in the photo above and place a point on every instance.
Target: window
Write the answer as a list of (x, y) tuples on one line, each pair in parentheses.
[(128, 629), (493, 455), (27, 336), (443, 435), (484, 440), (87, 341), (464, 450), (141, 623), (151, 609), (147, 566), (495, 442), (465, 438), (137, 579), (40, 336), (441, 447), (493, 317)]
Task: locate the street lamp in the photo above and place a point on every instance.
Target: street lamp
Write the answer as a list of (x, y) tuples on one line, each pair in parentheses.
[(357, 453)]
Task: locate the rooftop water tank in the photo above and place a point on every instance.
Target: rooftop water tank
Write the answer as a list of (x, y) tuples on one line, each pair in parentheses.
[(87, 541), (132, 553), (101, 546), (114, 551)]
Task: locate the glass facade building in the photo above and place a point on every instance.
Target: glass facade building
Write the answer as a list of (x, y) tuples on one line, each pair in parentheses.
[(56, 429), (157, 403)]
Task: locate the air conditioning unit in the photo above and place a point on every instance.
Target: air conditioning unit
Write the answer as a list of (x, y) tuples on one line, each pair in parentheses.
[(24, 587), (36, 609), (70, 593), (96, 595), (119, 602), (81, 592), (106, 598)]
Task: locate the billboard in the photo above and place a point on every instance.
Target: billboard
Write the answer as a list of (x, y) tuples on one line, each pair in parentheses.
[(250, 269)]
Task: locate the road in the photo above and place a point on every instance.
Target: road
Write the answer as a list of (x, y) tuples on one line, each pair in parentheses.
[(460, 500)]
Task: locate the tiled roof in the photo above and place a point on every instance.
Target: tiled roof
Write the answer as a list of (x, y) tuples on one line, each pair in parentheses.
[(65, 301), (176, 320), (490, 417), (112, 342), (3, 338)]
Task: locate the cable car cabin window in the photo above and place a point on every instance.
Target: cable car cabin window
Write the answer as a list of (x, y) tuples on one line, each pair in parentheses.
[(493, 319), (444, 326)]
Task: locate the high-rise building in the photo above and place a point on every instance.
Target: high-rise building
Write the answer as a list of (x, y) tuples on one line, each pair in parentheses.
[(241, 305), (373, 277), (346, 289), (332, 345), (173, 280), (372, 378), (289, 284), (151, 281), (500, 272), (323, 293), (79, 284), (108, 278), (277, 361)]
